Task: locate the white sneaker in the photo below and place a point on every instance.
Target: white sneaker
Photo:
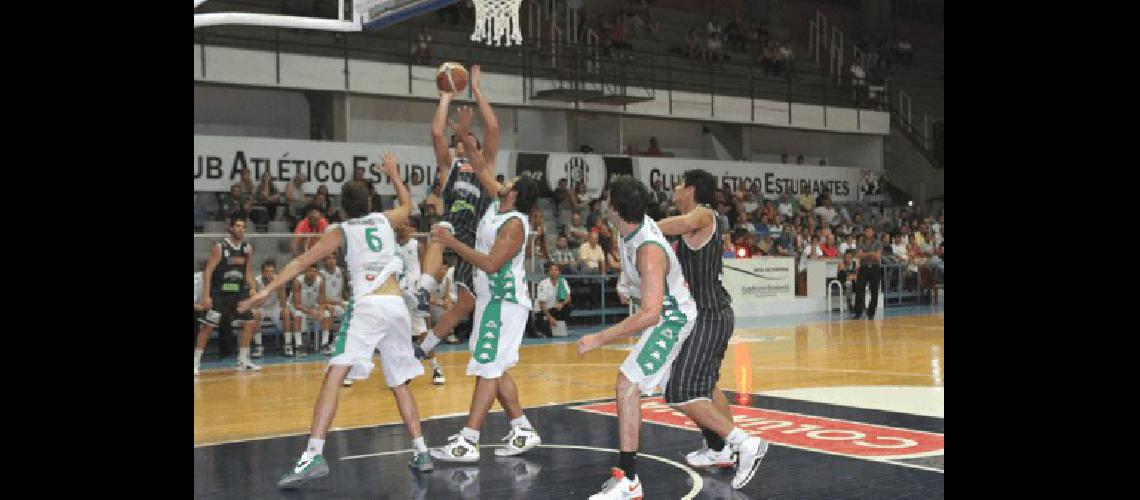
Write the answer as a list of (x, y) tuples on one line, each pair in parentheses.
[(751, 451), (288, 350), (452, 339), (706, 457), (257, 351), (243, 365), (347, 382), (457, 449), (518, 440), (619, 487), (437, 377), (326, 350), (195, 370)]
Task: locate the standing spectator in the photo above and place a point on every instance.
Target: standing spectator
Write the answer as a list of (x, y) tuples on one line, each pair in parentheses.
[(308, 231), (826, 212), (788, 59), (713, 26), (654, 149), (752, 37), (734, 34), (715, 49), (235, 204), (553, 300), (578, 233), (296, 199), (869, 252), (421, 51), (268, 196), (693, 48), (858, 80)]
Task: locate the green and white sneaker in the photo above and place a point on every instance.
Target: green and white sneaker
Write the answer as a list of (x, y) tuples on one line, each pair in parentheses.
[(421, 461), (305, 470)]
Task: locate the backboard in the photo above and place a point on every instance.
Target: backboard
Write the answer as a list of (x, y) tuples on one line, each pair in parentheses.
[(349, 15)]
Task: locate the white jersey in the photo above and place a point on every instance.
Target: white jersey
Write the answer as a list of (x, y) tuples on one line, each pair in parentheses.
[(310, 292), (372, 252), (334, 283), (273, 301), (508, 283), (410, 273), (199, 280), (677, 298)]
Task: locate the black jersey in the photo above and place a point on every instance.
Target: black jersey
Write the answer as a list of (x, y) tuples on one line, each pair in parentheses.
[(703, 267), (464, 200), (229, 274)]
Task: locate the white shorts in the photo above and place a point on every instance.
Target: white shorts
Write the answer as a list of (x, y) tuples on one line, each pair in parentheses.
[(371, 322), (650, 362), (419, 325), (497, 331), (337, 311), (307, 322)]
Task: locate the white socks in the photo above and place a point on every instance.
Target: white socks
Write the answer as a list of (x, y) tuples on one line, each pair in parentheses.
[(257, 337), (324, 337), (419, 445), (288, 338), (736, 437), (470, 435), (427, 282), (316, 447), (434, 364), (243, 354), (198, 356), (521, 422), (430, 341)]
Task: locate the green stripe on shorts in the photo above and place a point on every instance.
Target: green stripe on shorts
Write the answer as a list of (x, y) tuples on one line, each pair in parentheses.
[(342, 335), (487, 347), (661, 340)]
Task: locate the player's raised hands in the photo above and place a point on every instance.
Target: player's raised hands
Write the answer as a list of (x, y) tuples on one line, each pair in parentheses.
[(463, 127), (389, 163), (475, 77)]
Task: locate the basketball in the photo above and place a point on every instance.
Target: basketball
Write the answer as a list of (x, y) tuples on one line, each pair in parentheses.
[(452, 77)]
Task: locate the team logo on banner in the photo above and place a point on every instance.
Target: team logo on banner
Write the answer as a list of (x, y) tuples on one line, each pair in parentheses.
[(587, 170)]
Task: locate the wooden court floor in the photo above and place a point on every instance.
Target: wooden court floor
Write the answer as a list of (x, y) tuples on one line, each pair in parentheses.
[(896, 351)]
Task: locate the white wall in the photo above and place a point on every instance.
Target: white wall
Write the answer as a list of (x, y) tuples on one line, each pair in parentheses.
[(251, 67), (376, 119), (767, 143), (250, 112)]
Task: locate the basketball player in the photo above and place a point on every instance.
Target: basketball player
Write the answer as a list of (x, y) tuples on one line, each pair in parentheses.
[(229, 278), (376, 315), (333, 301), (307, 310), (692, 386), (501, 311), (272, 307), (409, 279), (664, 320), (465, 201)]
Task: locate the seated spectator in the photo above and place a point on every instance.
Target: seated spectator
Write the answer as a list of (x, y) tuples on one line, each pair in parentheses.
[(577, 233), (807, 202), (826, 212), (421, 51), (693, 48), (434, 200), (729, 247), (296, 199), (235, 204), (787, 206), (829, 248), (246, 183), (268, 196), (308, 231), (743, 222), (553, 300), (784, 158), (591, 257), (564, 256), (429, 218)]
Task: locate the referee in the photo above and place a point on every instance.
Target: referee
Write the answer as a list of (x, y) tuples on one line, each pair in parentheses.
[(869, 252)]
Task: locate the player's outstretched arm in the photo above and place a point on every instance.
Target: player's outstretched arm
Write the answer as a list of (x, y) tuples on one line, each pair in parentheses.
[(484, 168), (506, 246), (438, 141), (490, 121), (399, 215), (652, 264), (329, 242), (697, 219)]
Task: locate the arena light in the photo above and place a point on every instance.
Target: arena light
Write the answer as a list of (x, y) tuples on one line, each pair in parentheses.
[(743, 252)]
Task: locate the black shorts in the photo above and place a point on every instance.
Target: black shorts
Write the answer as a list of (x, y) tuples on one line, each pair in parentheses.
[(465, 275), (225, 309), (697, 367)]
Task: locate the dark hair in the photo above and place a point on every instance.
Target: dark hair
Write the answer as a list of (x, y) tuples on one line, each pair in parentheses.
[(455, 140), (704, 186), (629, 197), (551, 264), (526, 196), (268, 262), (235, 220), (355, 197)]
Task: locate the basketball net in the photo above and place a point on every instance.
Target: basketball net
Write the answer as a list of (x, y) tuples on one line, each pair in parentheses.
[(496, 21)]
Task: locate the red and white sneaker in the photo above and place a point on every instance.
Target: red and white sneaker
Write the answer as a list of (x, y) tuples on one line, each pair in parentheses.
[(706, 457), (619, 487)]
